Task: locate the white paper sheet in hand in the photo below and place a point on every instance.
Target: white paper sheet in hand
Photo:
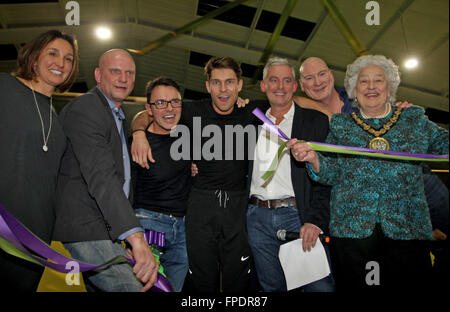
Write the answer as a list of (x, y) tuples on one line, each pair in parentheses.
[(301, 268)]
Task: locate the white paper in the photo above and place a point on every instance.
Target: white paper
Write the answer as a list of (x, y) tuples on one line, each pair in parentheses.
[(303, 267)]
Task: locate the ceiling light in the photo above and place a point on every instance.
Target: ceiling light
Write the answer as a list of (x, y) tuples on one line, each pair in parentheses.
[(103, 33), (411, 63)]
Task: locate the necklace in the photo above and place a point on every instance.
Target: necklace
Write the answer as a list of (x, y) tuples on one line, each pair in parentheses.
[(386, 112), (45, 138), (377, 142)]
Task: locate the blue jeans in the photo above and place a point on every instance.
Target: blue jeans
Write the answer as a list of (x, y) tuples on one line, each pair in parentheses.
[(262, 226), (115, 278), (174, 257)]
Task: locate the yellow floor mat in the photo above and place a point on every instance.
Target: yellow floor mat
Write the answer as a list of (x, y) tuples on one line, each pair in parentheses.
[(53, 281)]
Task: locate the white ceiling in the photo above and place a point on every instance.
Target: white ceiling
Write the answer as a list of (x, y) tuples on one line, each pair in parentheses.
[(136, 23)]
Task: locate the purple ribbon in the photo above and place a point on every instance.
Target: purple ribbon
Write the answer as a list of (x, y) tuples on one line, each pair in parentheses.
[(18, 235), (268, 125), (154, 237)]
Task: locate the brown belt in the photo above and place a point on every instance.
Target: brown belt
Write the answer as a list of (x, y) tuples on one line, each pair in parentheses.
[(273, 203)]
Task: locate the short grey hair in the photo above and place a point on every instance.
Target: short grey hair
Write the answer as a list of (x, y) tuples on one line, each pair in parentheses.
[(389, 67), (277, 61)]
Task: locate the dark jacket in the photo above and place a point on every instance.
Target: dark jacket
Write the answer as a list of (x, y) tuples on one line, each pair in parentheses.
[(91, 204)]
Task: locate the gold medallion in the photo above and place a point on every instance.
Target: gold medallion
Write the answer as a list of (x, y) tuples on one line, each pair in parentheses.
[(379, 144)]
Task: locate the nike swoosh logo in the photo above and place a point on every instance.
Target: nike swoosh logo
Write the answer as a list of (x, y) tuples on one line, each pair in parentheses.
[(244, 258)]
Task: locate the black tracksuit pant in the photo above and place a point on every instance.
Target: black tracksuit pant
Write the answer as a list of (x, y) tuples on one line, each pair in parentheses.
[(217, 241)]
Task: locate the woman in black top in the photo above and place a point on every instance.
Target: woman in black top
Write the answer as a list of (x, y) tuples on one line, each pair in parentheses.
[(32, 143)]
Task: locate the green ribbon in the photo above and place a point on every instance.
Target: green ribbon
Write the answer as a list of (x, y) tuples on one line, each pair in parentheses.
[(14, 251), (341, 150)]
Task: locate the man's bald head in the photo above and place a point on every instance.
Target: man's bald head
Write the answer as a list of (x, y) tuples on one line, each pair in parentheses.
[(312, 61), (316, 79), (112, 54), (115, 75)]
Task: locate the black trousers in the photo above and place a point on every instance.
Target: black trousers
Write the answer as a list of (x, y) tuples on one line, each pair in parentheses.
[(380, 263), (217, 245)]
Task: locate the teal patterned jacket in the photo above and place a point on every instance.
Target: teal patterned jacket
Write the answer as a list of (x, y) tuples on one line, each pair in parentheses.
[(367, 190)]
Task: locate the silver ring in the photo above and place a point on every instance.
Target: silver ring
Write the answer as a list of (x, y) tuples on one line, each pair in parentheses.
[(296, 153)]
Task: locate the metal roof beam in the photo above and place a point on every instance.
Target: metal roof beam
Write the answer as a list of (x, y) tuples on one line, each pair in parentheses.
[(389, 23), (313, 33), (256, 17), (186, 28), (441, 41), (345, 29), (15, 35), (288, 8)]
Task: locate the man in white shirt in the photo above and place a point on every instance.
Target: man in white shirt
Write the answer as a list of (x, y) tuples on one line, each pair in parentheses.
[(289, 200)]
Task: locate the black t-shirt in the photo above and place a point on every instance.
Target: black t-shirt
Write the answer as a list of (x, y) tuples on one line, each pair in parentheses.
[(221, 144), (165, 186)]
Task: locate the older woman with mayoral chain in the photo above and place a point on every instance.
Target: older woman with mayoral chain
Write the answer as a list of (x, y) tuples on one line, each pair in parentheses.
[(32, 143), (379, 220)]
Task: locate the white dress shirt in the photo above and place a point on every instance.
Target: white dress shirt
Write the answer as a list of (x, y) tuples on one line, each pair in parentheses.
[(279, 186)]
